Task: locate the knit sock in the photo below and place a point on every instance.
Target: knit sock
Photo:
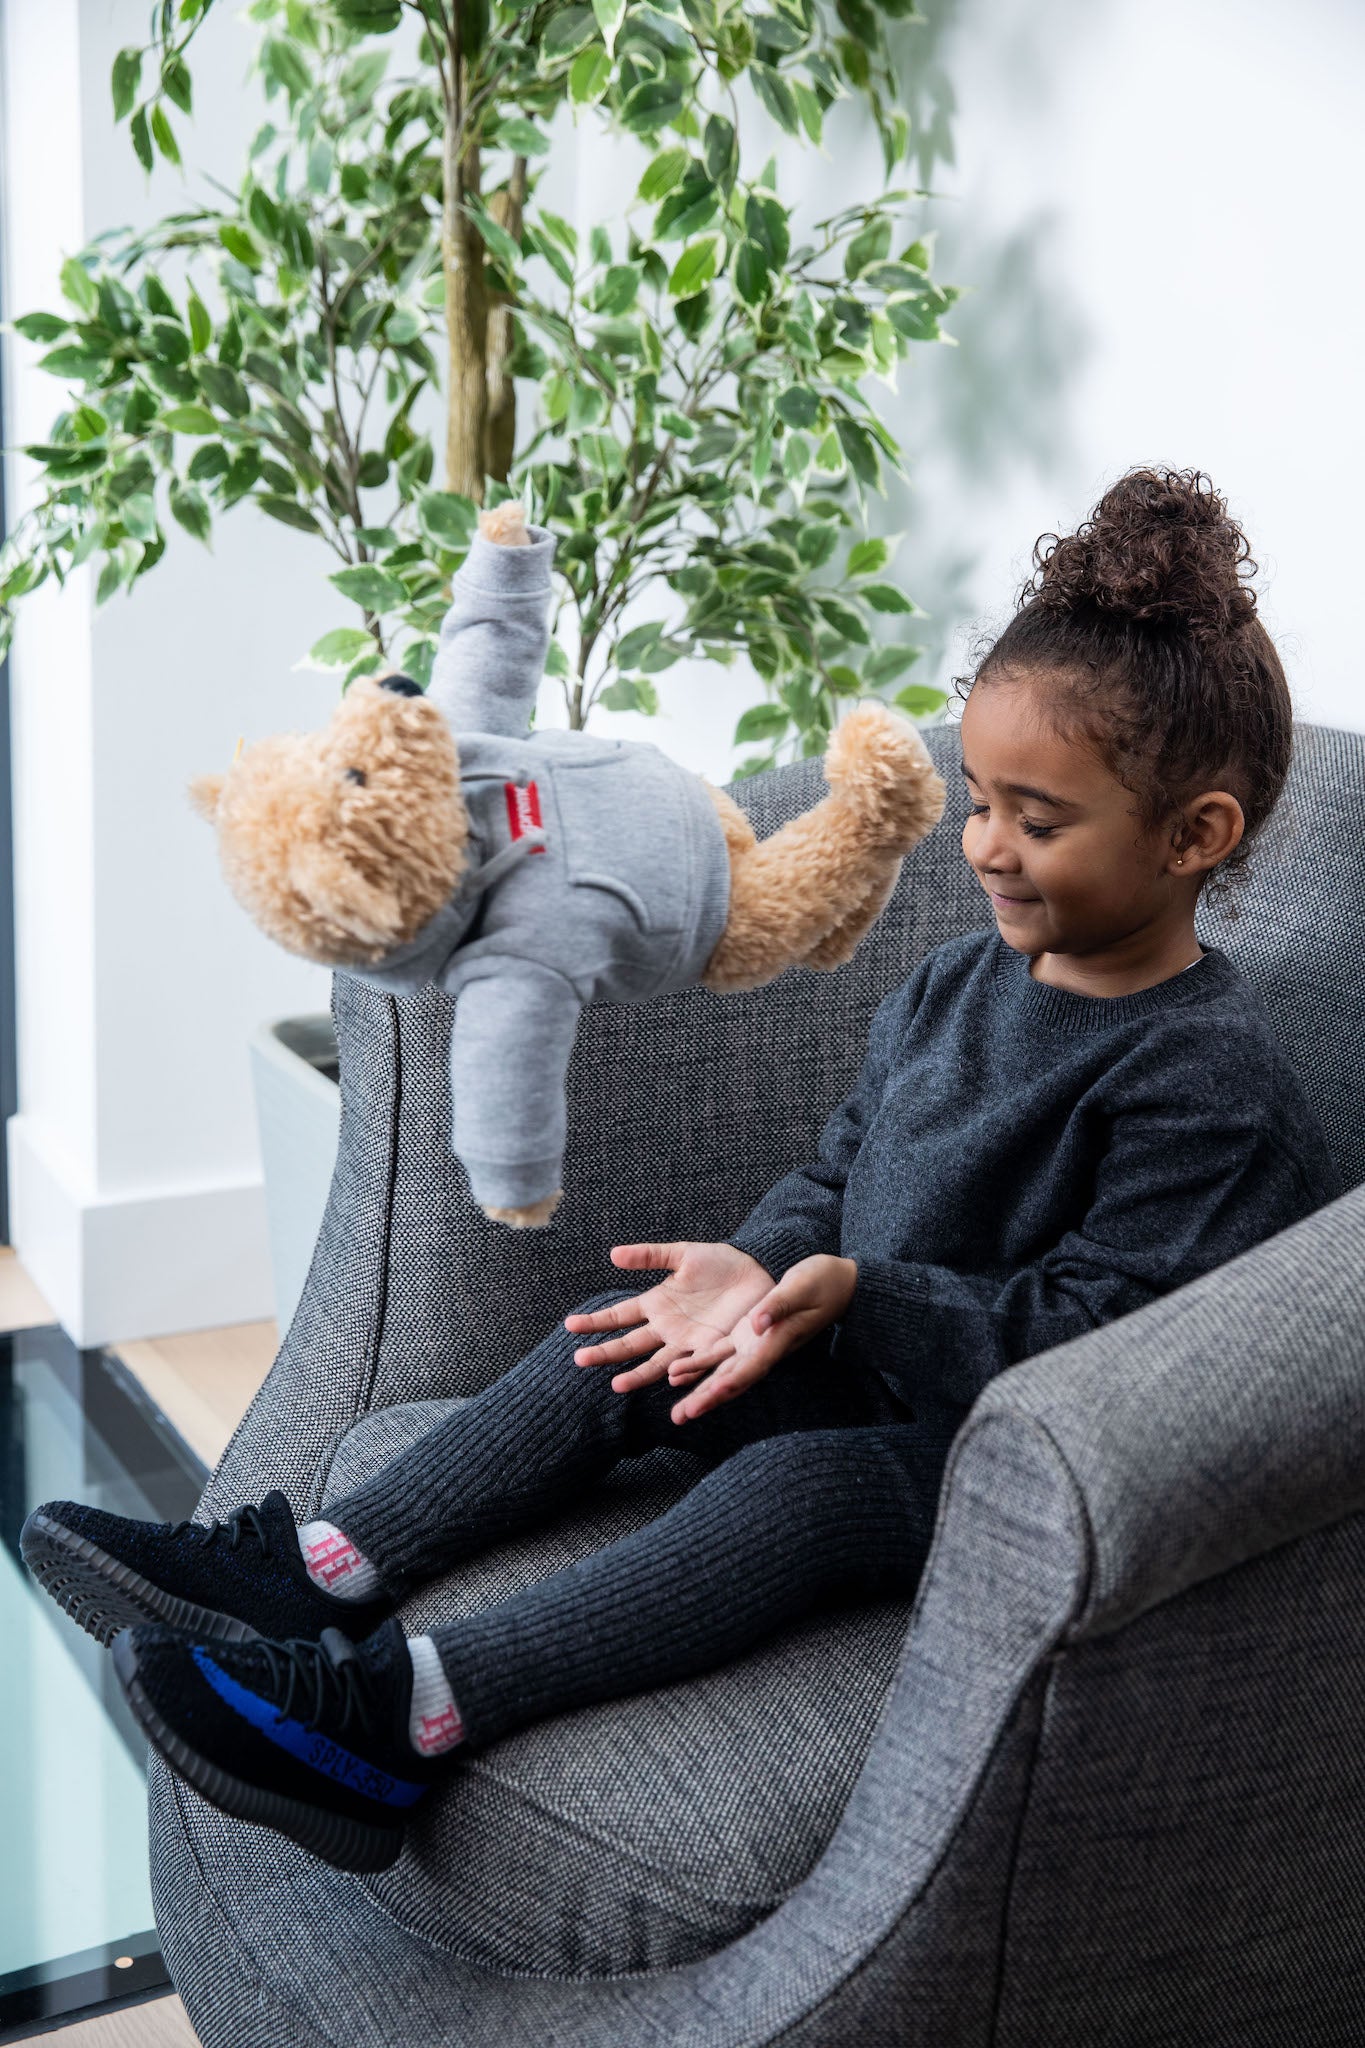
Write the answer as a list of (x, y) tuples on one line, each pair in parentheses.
[(434, 1723), (335, 1564)]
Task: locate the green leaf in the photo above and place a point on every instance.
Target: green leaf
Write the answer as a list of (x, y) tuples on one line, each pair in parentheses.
[(844, 681), (842, 619), (776, 95), (190, 507), (189, 419), (372, 587), (40, 326), (84, 364), (798, 407), (124, 82), (868, 246), (616, 292), (201, 325), (722, 159), (225, 389), (520, 136), (761, 722), (339, 648), (589, 76), (321, 162), (447, 518), (609, 14), (208, 462), (138, 514), (651, 106), (496, 238), (631, 650), (663, 174), (816, 542), (78, 286), (630, 693), (141, 140), (288, 511), (697, 265), (795, 456), (884, 597), (889, 662), (240, 244), (917, 700), (175, 80), (110, 577), (164, 136), (867, 556), (751, 273)]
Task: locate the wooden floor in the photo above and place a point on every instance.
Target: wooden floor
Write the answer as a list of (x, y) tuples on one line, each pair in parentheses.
[(160, 2023), (203, 1382)]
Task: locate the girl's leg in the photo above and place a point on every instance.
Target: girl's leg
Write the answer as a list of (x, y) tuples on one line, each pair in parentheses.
[(529, 1444), (786, 1525)]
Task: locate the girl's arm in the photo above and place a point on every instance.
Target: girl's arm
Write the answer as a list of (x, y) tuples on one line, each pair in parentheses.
[(1176, 1194)]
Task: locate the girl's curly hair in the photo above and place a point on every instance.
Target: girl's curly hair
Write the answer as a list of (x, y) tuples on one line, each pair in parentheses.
[(1146, 628)]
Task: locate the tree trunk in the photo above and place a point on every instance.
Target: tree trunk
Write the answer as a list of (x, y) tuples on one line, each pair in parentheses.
[(466, 325), (506, 208)]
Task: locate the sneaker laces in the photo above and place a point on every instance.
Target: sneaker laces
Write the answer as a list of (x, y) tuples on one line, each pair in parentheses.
[(242, 1521), (317, 1674)]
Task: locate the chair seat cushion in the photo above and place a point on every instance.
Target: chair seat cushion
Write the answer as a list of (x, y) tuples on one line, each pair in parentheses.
[(644, 1832)]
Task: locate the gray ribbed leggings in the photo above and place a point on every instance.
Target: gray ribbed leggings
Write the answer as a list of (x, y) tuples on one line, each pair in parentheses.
[(815, 1487)]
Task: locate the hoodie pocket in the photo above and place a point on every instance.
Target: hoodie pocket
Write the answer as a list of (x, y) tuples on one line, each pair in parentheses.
[(624, 828)]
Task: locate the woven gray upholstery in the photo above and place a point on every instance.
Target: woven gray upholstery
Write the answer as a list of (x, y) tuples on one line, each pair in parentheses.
[(1110, 1792)]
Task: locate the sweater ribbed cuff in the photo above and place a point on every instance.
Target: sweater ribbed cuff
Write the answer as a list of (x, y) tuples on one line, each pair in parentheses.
[(777, 1248), (883, 1322)]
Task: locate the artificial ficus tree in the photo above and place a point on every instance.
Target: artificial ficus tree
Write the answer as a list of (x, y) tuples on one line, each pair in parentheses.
[(677, 394)]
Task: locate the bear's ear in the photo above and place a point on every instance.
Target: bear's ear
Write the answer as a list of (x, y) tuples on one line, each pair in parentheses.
[(204, 794)]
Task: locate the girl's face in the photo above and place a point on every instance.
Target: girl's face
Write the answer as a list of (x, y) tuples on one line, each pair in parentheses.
[(1054, 837)]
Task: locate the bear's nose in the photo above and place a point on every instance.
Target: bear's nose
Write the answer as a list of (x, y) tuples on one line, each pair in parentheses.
[(402, 686)]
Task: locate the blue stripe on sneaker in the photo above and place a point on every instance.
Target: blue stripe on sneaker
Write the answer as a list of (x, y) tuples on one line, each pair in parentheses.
[(309, 1745)]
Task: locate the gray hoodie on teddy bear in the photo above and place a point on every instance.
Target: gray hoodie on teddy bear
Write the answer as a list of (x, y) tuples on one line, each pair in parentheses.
[(597, 872)]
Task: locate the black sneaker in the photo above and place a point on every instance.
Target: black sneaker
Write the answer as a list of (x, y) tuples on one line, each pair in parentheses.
[(309, 1738), (228, 1581)]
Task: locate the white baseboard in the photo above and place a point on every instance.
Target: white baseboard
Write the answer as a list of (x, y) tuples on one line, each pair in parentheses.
[(145, 1265)]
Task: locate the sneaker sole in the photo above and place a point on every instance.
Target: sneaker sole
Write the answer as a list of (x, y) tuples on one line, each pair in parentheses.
[(104, 1595), (348, 1844)]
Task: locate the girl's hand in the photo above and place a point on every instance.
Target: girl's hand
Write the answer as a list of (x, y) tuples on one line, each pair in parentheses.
[(689, 1317), (811, 1294)]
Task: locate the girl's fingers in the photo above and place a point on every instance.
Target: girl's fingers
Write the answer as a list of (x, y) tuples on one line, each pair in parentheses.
[(724, 1384), (617, 1317), (652, 1257), (692, 1365), (640, 1376), (629, 1346)]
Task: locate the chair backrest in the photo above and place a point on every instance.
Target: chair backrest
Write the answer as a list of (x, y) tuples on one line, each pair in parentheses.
[(684, 1110)]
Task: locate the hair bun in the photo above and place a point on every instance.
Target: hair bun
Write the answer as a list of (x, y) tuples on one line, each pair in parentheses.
[(1159, 547)]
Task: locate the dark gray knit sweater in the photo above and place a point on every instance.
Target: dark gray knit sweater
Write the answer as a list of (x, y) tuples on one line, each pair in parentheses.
[(1018, 1163)]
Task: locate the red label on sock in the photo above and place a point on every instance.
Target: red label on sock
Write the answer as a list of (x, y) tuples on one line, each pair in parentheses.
[(437, 1732), (332, 1558)]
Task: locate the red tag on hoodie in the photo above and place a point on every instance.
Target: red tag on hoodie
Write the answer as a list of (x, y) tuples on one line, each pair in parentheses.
[(523, 809)]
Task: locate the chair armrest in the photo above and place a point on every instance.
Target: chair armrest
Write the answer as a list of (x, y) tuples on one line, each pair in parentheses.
[(1222, 1420)]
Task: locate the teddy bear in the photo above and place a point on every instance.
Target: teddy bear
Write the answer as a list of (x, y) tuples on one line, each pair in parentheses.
[(434, 838)]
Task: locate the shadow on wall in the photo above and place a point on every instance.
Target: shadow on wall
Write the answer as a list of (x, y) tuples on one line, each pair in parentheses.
[(970, 416)]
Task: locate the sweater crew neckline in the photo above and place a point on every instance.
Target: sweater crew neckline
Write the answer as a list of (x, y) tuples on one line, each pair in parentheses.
[(1062, 1009)]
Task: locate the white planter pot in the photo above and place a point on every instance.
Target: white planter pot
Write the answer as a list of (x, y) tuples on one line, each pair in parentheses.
[(298, 1110)]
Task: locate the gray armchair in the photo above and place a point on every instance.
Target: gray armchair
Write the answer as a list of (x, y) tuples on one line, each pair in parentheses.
[(1102, 1785)]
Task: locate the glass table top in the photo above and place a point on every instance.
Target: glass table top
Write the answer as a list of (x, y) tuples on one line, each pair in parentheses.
[(76, 1924)]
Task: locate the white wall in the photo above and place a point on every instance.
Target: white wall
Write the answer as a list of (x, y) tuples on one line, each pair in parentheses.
[(1154, 201), (136, 1193)]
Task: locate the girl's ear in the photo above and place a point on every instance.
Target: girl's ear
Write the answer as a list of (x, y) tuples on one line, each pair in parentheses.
[(204, 793)]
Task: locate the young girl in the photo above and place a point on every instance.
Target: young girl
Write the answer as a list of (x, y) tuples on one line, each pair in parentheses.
[(1057, 1120)]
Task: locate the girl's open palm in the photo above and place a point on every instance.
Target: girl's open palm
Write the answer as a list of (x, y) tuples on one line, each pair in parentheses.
[(687, 1319)]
